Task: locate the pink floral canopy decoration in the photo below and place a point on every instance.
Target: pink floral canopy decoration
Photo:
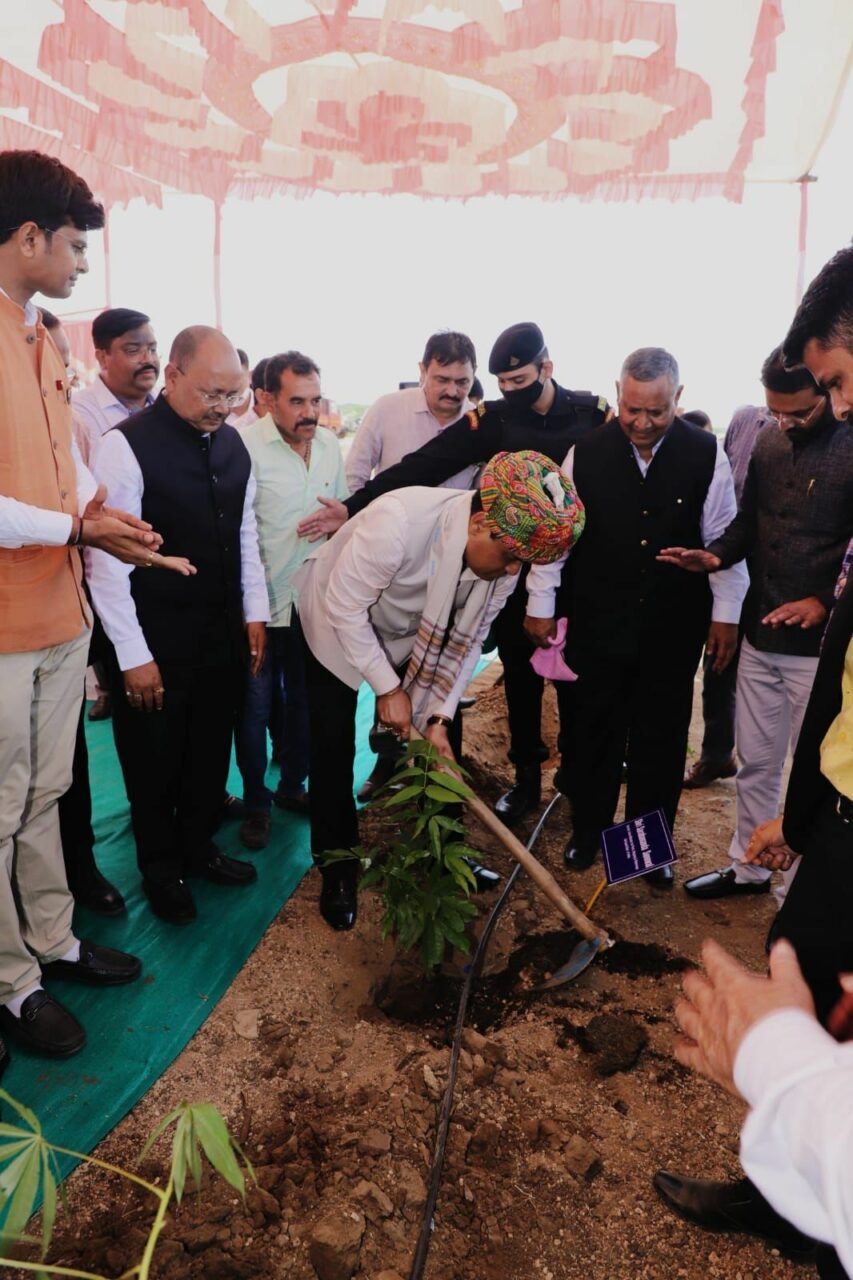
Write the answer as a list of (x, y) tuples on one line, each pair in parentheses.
[(605, 99)]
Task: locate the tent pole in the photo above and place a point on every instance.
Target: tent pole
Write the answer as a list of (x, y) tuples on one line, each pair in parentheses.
[(802, 234), (108, 279), (217, 262)]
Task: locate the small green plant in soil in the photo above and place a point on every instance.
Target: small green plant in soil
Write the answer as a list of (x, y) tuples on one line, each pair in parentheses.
[(417, 866), (29, 1167)]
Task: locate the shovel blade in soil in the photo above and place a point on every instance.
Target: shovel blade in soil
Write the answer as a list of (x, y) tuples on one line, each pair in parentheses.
[(580, 959)]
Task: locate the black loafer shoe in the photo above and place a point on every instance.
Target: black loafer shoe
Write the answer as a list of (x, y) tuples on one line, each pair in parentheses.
[(578, 857), (485, 877), (255, 829), (730, 1206), (298, 803), (99, 895), (465, 704), (221, 869), (339, 895), (98, 966), (660, 878), (382, 770), (45, 1026), (722, 884), (170, 901), (101, 708), (524, 796)]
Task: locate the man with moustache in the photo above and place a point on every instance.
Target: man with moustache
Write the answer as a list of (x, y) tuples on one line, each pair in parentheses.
[(534, 413), (181, 654), (293, 465), (126, 351), (402, 421), (637, 626)]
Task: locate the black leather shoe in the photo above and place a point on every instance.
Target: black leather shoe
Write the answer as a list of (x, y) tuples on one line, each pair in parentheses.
[(660, 878), (730, 1206), (382, 770), (255, 829), (339, 895), (465, 704), (293, 803), (703, 773), (98, 895), (521, 798), (171, 901), (45, 1026), (578, 857), (98, 966), (221, 869), (101, 708), (485, 877), (722, 884)]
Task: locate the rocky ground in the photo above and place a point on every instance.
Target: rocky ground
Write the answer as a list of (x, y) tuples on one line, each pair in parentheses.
[(566, 1102)]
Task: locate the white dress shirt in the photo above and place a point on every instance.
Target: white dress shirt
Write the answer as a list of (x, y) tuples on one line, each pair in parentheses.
[(797, 1143), (22, 524), (728, 586), (362, 595), (96, 410), (393, 426), (116, 466)]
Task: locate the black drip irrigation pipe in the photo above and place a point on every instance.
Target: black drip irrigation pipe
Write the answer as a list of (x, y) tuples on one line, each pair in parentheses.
[(425, 1236)]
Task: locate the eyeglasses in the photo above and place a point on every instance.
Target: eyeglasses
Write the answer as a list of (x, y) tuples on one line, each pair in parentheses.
[(800, 417), (210, 398)]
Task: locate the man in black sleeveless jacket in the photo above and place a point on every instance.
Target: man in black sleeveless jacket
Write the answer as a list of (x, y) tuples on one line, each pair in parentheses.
[(636, 628), (535, 413), (181, 653)]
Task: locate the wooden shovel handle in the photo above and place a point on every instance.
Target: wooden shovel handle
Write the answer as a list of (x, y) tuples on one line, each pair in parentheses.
[(534, 868)]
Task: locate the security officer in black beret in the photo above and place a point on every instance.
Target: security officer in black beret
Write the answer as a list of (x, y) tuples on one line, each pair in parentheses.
[(535, 413)]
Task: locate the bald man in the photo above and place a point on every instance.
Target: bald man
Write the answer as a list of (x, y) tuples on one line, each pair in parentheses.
[(182, 654)]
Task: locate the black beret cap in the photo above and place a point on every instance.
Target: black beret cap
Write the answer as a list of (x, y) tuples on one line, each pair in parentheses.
[(518, 345)]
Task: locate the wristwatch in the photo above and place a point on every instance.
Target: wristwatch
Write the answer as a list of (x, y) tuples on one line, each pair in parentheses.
[(445, 720)]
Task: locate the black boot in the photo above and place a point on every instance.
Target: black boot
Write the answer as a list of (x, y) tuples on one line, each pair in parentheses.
[(523, 797)]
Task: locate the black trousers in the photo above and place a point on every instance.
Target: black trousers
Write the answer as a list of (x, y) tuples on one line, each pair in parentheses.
[(75, 818), (175, 764), (331, 713), (636, 709), (817, 914), (523, 687), (718, 710)]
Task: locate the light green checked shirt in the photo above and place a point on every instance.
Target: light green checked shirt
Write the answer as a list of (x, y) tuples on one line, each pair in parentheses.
[(286, 492)]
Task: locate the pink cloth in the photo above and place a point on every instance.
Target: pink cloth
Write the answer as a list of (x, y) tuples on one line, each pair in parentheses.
[(549, 662)]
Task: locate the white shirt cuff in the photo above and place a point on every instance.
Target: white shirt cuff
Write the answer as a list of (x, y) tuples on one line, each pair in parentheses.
[(778, 1049), (134, 653)]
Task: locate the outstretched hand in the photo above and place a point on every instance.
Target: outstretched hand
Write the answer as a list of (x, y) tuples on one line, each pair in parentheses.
[(323, 522), (126, 537), (720, 1008), (692, 558)]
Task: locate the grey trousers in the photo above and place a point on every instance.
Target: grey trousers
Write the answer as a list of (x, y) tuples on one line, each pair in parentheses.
[(40, 695), (772, 692)]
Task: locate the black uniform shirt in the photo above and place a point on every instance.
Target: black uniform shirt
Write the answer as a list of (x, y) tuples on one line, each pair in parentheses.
[(493, 427)]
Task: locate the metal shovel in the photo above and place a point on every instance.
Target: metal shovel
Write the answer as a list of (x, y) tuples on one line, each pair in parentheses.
[(594, 938)]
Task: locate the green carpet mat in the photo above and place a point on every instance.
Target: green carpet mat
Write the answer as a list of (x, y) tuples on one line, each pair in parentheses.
[(134, 1032)]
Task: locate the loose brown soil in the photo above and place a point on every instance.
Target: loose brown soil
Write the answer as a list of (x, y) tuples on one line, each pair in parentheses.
[(566, 1102)]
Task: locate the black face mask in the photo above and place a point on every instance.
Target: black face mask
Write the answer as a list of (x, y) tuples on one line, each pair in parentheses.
[(524, 397)]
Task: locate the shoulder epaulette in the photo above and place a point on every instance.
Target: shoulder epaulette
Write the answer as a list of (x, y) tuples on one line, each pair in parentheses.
[(474, 415)]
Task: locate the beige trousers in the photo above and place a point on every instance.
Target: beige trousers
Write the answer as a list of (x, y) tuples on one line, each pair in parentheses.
[(40, 694)]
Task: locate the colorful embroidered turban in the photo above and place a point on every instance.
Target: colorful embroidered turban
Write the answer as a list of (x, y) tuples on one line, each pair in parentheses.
[(532, 504)]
